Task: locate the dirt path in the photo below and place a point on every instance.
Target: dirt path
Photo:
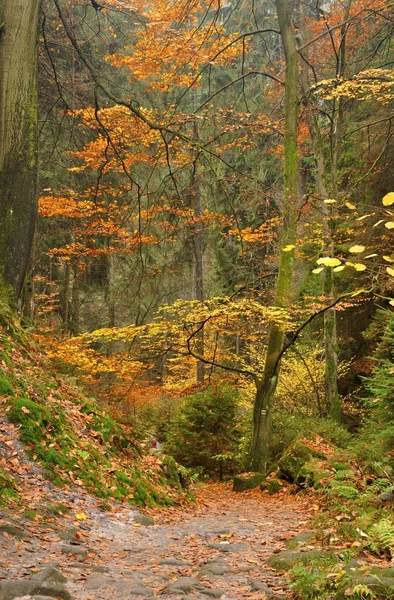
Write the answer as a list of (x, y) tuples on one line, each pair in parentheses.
[(216, 548)]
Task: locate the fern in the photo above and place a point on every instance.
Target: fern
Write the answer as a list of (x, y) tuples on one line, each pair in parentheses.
[(382, 537), (363, 592), (343, 491)]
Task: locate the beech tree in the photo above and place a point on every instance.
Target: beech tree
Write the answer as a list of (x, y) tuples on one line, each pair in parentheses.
[(18, 140)]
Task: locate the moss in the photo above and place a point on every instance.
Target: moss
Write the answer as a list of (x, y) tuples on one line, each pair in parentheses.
[(123, 477), (6, 388), (36, 421), (29, 513), (58, 509), (8, 488)]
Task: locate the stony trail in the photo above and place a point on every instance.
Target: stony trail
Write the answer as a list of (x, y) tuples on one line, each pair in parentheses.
[(216, 547)]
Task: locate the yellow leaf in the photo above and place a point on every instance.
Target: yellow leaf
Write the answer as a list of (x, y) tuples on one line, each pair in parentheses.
[(391, 302), (136, 524), (356, 249), (329, 201), (81, 516), (328, 261), (351, 206), (388, 199), (365, 217), (378, 223), (338, 269), (389, 225), (371, 255), (390, 271), (318, 270), (388, 258), (288, 248), (359, 266)]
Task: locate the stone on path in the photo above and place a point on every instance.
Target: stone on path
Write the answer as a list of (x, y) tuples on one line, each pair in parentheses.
[(184, 584), (173, 562), (74, 549), (19, 588), (227, 547), (215, 568), (259, 586), (139, 589), (13, 531), (143, 519)]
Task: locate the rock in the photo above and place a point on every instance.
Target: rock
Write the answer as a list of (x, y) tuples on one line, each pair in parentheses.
[(379, 586), (246, 568), (101, 569), (272, 486), (173, 562), (29, 587), (292, 465), (216, 568), (212, 592), (247, 482), (143, 519), (16, 532), (95, 582), (139, 589), (229, 547), (50, 575), (283, 561), (184, 584), (354, 565), (40, 597), (76, 550), (68, 535), (386, 497), (259, 586), (14, 589), (301, 538)]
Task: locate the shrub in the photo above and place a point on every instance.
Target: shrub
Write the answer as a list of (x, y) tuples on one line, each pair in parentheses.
[(206, 431)]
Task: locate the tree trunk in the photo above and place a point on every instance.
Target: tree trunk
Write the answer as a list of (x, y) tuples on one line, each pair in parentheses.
[(198, 265), (76, 302), (266, 388), (322, 185), (18, 140)]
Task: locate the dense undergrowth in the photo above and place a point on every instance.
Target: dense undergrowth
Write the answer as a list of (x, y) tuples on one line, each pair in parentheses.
[(68, 434), (351, 477)]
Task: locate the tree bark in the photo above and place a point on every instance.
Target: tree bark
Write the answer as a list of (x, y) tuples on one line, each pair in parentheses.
[(198, 265), (323, 173), (267, 386), (18, 140)]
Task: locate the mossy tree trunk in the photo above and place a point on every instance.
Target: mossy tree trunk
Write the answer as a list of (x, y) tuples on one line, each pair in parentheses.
[(267, 386), (18, 140), (328, 286), (327, 185)]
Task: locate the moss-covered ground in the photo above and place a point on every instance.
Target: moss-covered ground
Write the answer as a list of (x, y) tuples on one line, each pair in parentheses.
[(74, 440)]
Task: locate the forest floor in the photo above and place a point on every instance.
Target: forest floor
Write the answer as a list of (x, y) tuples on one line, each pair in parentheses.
[(67, 544)]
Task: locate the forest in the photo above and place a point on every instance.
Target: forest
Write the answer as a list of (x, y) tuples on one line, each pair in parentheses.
[(196, 293)]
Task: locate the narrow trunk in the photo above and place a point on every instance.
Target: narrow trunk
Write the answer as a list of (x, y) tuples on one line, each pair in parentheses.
[(76, 302), (266, 388), (328, 287), (198, 266), (18, 140), (66, 297)]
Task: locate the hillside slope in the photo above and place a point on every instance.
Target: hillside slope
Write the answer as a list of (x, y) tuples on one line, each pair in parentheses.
[(50, 430)]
